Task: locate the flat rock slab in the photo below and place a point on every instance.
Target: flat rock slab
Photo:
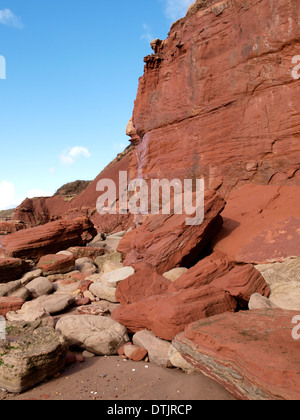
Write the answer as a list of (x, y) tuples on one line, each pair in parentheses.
[(56, 264), (251, 353), (29, 355), (50, 238)]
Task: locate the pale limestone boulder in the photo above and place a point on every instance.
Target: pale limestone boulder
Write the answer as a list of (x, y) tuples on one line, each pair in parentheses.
[(28, 277), (179, 362), (113, 278), (105, 285), (109, 266), (30, 312), (103, 291), (284, 282), (258, 301), (158, 350), (110, 257), (6, 289), (39, 287), (98, 335), (174, 274), (56, 303)]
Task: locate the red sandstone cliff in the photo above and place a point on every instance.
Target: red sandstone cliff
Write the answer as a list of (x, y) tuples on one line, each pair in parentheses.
[(218, 100)]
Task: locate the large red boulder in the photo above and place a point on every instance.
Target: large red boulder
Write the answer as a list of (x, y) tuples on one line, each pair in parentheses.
[(166, 241), (211, 287), (261, 224), (168, 314), (56, 264), (143, 283), (251, 353), (35, 242), (11, 269), (203, 273)]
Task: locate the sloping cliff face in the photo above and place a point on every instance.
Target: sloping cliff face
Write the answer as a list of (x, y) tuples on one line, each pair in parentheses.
[(35, 212), (218, 99)]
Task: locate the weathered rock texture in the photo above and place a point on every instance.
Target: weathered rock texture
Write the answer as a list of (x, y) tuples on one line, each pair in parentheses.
[(261, 224), (99, 335), (211, 287), (284, 282), (218, 99), (251, 353), (29, 355), (50, 238), (166, 241)]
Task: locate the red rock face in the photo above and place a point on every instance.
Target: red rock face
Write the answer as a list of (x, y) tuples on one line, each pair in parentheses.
[(11, 227), (48, 239), (41, 211), (56, 264), (37, 211), (165, 241), (251, 353), (226, 107), (261, 224), (11, 269), (8, 304), (143, 283)]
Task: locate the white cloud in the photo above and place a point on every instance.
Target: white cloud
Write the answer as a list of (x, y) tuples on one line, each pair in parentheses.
[(147, 35), (176, 9), (120, 147), (8, 199), (69, 156), (38, 193), (7, 18)]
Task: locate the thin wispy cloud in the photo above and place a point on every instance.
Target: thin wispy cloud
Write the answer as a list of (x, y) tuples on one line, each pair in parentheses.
[(8, 18), (176, 9), (70, 156), (147, 34)]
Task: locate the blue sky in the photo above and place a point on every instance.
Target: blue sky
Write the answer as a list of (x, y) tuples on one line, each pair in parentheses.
[(72, 70)]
